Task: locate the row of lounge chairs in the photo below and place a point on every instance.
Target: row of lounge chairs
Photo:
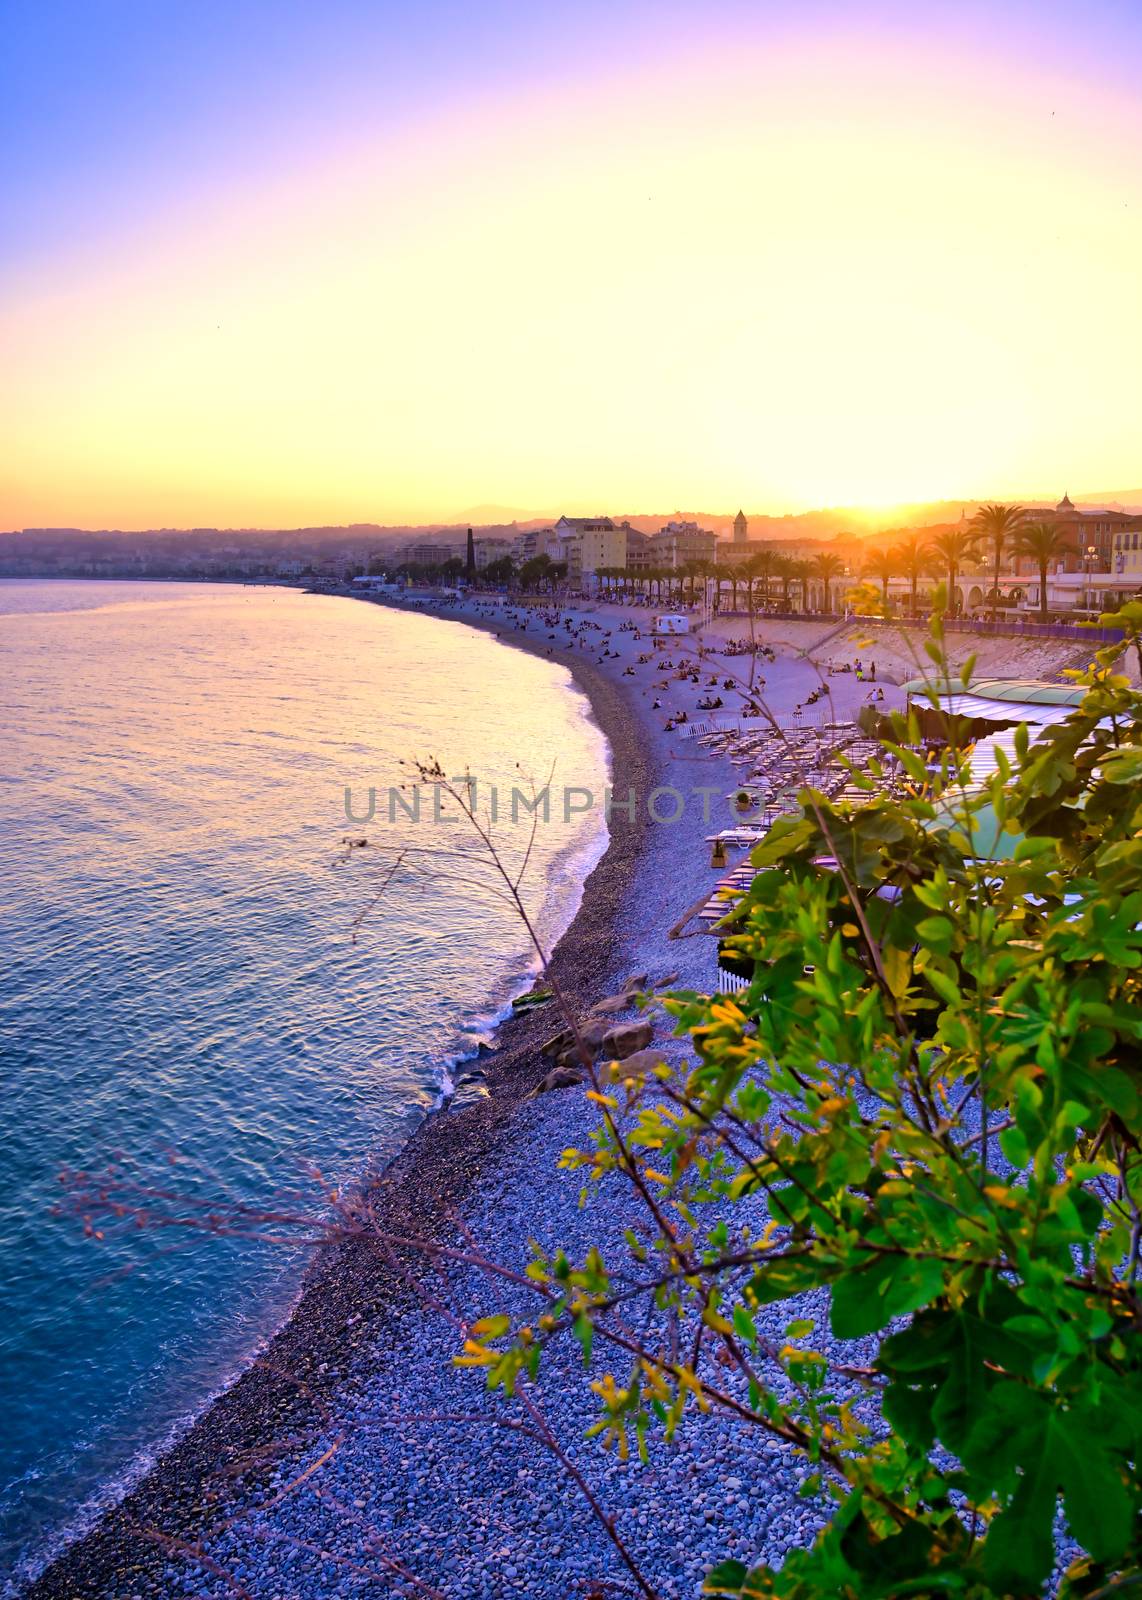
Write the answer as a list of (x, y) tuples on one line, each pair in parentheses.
[(781, 762)]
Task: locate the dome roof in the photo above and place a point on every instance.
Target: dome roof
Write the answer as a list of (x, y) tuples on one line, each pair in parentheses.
[(1065, 503)]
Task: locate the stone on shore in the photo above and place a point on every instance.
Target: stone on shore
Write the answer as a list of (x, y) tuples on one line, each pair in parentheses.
[(639, 1065), (627, 1037), (560, 1078), (594, 1033), (558, 1042), (612, 1003)]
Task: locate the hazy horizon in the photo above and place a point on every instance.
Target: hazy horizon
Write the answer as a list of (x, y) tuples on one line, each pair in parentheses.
[(492, 516)]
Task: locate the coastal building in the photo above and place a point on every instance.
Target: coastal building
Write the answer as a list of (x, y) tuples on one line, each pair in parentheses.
[(733, 552), (1091, 538), (640, 551), (1089, 531), (492, 549), (741, 528), (679, 543), (589, 545), (1078, 591), (537, 542), (1127, 554), (427, 554)]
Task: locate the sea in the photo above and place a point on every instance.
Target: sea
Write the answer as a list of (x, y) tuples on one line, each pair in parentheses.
[(209, 984)]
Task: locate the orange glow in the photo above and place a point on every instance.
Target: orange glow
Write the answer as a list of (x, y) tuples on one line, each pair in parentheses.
[(806, 278)]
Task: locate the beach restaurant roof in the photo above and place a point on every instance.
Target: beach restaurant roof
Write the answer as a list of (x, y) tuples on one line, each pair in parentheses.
[(1000, 700), (982, 708), (1005, 692)]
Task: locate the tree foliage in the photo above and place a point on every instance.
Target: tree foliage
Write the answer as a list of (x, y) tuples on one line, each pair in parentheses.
[(927, 1103), (998, 525)]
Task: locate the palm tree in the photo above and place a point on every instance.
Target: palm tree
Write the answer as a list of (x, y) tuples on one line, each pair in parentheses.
[(699, 572), (912, 558), (765, 565), (785, 569), (800, 572), (828, 567), (705, 570), (999, 525), (953, 549), (881, 564), (758, 566), (733, 578), (502, 570), (1041, 542)]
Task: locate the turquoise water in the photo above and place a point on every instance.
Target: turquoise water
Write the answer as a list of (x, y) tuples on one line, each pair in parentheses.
[(180, 980)]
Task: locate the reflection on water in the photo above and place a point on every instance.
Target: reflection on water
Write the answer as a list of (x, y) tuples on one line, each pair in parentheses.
[(179, 968)]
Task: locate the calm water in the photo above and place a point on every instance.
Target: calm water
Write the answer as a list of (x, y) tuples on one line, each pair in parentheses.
[(177, 969)]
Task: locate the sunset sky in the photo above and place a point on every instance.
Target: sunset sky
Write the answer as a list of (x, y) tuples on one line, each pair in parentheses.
[(284, 263)]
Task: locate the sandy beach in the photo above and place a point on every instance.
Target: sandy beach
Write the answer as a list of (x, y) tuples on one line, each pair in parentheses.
[(311, 1476)]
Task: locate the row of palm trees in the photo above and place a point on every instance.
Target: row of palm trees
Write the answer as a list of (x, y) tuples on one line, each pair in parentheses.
[(758, 572), (1001, 530), (996, 533)]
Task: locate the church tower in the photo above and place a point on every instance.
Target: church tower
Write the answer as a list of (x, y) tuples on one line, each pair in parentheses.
[(741, 527)]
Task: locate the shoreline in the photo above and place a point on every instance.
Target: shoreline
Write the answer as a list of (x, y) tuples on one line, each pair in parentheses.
[(349, 1291)]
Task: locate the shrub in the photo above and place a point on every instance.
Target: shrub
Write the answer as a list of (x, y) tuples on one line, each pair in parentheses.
[(927, 1102)]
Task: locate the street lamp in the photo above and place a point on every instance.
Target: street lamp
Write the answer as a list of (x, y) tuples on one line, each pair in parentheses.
[(1088, 560)]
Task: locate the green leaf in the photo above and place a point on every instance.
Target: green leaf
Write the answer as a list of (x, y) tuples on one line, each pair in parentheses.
[(585, 1333), (1099, 1509), (491, 1327), (909, 1411), (867, 1299), (1019, 1550), (780, 1280), (727, 1578), (744, 1325), (937, 933)]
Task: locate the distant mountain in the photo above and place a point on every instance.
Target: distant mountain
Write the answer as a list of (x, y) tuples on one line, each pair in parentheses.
[(504, 516), (827, 522), (1112, 500)]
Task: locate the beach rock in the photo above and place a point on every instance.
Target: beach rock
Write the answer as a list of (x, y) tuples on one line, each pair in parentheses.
[(558, 1041), (571, 1057), (593, 1033), (560, 1078), (627, 1037), (638, 980), (638, 1065), (612, 1003)]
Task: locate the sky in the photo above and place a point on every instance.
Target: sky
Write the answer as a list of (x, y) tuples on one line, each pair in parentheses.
[(276, 264)]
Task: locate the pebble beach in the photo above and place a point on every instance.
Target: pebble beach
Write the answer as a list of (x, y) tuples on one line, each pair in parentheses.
[(354, 1457)]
